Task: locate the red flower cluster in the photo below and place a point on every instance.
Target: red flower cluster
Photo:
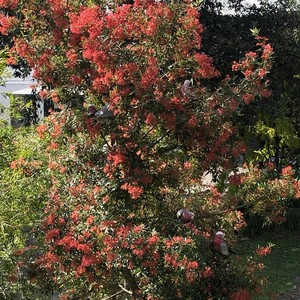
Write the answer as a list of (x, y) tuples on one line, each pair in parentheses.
[(263, 251), (11, 4), (6, 23), (240, 295)]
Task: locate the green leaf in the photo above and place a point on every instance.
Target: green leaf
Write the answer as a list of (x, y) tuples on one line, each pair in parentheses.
[(255, 31)]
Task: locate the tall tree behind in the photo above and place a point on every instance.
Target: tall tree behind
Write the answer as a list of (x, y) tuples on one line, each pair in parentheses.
[(270, 127)]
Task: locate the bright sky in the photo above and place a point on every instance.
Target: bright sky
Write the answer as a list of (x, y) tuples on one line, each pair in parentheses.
[(250, 2)]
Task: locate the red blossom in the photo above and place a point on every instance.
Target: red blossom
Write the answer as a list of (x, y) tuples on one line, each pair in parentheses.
[(75, 216), (105, 199), (17, 163), (52, 146), (247, 98), (151, 73), (150, 119), (51, 234), (88, 260), (19, 252), (208, 272), (54, 96), (117, 157), (206, 69), (6, 23), (90, 220), (172, 260), (247, 73), (69, 243), (191, 275), (47, 260), (41, 129), (153, 240), (92, 127), (188, 165), (251, 54), (287, 171), (50, 219), (270, 165), (263, 251), (235, 179), (242, 294), (267, 51), (193, 121), (134, 190), (85, 20), (11, 4), (265, 93), (192, 265), (262, 73), (43, 93), (297, 189)]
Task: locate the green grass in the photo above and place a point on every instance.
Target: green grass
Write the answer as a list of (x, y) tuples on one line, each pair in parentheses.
[(282, 266)]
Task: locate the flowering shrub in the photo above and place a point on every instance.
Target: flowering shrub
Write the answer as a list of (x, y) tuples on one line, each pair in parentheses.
[(109, 223), (267, 197)]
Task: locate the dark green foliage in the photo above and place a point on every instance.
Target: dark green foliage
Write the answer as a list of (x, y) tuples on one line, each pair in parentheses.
[(226, 38)]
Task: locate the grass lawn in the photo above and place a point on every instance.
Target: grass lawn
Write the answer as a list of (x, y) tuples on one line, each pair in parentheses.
[(282, 266)]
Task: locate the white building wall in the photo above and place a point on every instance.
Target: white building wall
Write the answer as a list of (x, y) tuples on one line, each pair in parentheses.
[(14, 86)]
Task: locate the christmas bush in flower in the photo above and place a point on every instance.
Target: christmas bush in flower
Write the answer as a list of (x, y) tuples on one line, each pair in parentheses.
[(109, 224)]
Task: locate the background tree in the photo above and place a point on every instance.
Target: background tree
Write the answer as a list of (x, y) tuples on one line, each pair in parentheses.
[(271, 128)]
